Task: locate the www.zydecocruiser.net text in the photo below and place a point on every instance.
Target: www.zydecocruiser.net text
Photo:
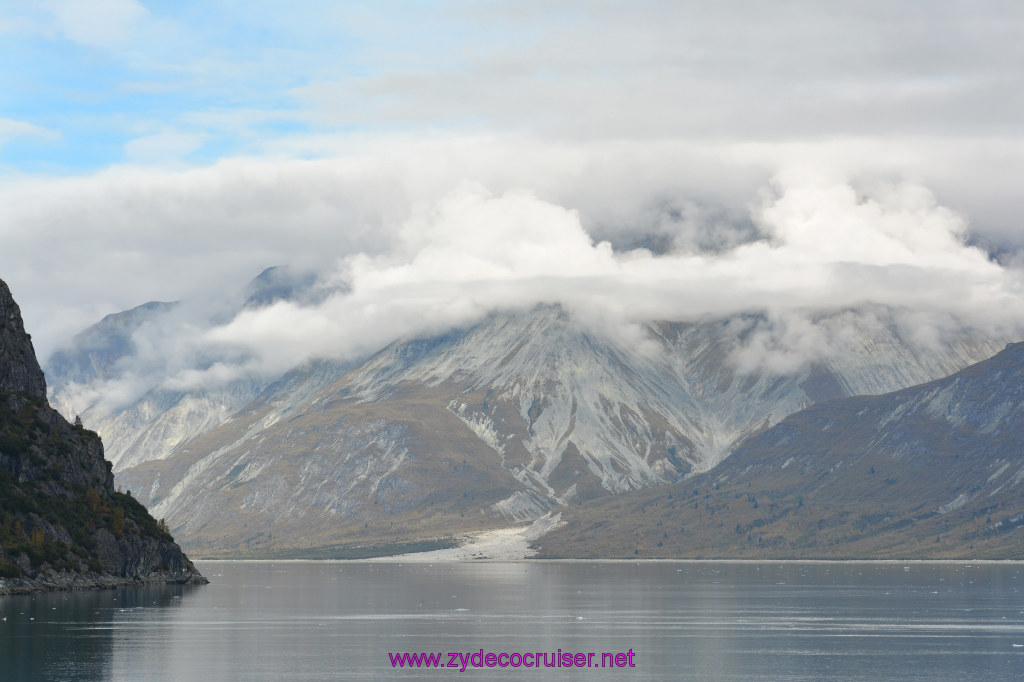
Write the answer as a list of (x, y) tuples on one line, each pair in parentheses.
[(462, 660)]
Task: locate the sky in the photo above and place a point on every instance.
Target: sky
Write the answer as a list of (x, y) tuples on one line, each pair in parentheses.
[(435, 160)]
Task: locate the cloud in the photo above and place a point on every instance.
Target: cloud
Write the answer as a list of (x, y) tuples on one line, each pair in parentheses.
[(162, 147), (667, 69), (826, 247), (691, 229), (631, 161), (650, 70), (97, 23), (11, 129), (406, 248)]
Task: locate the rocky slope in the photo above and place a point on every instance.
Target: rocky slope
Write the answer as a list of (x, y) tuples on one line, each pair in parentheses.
[(932, 471), (62, 524), (99, 362), (524, 412), (103, 361)]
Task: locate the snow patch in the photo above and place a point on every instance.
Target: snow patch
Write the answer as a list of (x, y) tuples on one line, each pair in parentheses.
[(999, 472), (960, 501)]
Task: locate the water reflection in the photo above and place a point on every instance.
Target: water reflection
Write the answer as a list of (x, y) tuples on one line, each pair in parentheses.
[(696, 620), (72, 635)]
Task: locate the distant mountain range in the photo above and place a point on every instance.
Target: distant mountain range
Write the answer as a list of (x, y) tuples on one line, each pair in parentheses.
[(525, 412), (931, 471)]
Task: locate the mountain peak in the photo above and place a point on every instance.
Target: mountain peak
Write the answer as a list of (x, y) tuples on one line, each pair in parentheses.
[(19, 370), (278, 283)]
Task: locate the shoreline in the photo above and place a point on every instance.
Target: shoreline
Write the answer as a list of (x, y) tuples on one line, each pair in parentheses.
[(532, 560), (16, 586), (511, 545)]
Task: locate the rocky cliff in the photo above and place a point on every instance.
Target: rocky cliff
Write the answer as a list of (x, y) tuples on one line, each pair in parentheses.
[(62, 524), (19, 371)]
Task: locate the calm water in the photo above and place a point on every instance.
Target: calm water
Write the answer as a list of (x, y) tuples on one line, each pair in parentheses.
[(700, 621)]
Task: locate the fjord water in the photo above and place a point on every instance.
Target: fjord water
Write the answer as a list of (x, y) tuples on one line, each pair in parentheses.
[(682, 620)]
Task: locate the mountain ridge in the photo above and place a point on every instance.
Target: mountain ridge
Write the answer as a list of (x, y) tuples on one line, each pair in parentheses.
[(557, 414), (929, 471), (536, 408)]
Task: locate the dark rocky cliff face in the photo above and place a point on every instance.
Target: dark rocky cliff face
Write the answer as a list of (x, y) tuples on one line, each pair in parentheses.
[(19, 370), (62, 524)]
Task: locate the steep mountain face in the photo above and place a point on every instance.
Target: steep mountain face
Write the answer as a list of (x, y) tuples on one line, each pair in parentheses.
[(148, 427), (62, 525), (536, 385), (935, 470), (521, 414), (104, 360), (151, 426), (19, 371), (98, 349)]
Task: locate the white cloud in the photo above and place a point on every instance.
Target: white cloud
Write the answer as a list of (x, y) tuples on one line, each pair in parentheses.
[(826, 248), (418, 251), (11, 129), (510, 219), (162, 147), (633, 161), (97, 23), (711, 70)]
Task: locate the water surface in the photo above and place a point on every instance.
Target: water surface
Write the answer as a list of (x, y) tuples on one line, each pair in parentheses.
[(682, 620)]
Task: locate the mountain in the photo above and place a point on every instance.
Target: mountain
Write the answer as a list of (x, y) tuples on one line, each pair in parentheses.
[(931, 471), (89, 376), (525, 412), (280, 283), (62, 524), (99, 349)]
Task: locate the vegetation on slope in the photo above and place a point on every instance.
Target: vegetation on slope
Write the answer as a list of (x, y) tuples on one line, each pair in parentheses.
[(51, 513)]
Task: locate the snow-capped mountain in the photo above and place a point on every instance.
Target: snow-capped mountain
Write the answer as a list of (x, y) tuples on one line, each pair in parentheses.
[(524, 412)]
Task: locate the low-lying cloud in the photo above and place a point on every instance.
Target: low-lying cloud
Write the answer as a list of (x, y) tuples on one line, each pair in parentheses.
[(810, 246), (824, 247), (415, 235)]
